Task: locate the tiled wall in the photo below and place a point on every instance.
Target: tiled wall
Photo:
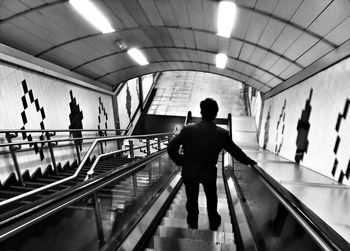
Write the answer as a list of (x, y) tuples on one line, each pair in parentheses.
[(310, 123), (30, 100)]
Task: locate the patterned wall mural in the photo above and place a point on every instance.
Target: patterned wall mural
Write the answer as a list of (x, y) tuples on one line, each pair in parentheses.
[(76, 119), (318, 129), (303, 128), (341, 168), (30, 100)]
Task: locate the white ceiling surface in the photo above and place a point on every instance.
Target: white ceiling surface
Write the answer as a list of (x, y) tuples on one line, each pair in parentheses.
[(273, 41), (181, 91)]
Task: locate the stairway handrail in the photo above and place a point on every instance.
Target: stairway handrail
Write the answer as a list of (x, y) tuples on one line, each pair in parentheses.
[(59, 130), (92, 168), (83, 162)]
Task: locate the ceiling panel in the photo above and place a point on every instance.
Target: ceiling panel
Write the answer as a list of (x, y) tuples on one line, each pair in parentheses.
[(265, 78), (137, 12), (189, 38), (317, 51), (300, 46), (176, 36), (121, 12), (308, 11), (269, 60), (287, 37), (271, 33), (152, 13), (266, 5), (210, 10), (212, 42), (201, 42), (182, 34), (234, 49), (223, 45), (274, 82), (256, 27), (290, 71), (19, 38), (242, 22), (334, 14), (195, 7), (179, 9), (166, 12), (341, 33), (285, 8), (246, 52), (257, 56), (279, 66), (15, 6)]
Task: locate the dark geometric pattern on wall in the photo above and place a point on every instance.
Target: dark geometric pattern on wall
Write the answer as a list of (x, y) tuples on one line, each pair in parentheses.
[(280, 129), (340, 121), (76, 119), (303, 127), (267, 129), (102, 117), (128, 101), (28, 100)]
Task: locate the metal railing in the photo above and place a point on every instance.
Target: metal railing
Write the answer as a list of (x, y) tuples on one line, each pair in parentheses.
[(131, 149), (75, 137)]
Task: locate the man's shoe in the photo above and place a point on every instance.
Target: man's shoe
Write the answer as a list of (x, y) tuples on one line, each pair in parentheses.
[(192, 223), (215, 225)]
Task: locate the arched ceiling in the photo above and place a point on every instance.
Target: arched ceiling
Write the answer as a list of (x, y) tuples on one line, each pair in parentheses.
[(272, 45)]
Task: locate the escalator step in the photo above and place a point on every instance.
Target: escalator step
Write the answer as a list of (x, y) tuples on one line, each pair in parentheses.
[(168, 243), (186, 233)]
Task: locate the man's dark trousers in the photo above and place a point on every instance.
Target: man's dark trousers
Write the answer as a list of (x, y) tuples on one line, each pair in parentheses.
[(192, 191)]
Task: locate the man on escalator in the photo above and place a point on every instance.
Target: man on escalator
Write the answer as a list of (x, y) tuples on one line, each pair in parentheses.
[(201, 143)]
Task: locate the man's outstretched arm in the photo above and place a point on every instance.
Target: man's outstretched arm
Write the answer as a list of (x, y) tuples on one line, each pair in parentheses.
[(237, 152)]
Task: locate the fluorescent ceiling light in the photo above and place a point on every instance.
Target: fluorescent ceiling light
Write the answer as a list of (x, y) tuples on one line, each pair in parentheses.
[(137, 55), (92, 14), (221, 60), (226, 18)]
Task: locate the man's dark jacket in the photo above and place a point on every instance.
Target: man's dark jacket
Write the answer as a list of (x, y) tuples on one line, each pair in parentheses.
[(202, 143)]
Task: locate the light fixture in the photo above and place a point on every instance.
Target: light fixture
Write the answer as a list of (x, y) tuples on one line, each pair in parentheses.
[(92, 14), (137, 55), (226, 18), (221, 60)]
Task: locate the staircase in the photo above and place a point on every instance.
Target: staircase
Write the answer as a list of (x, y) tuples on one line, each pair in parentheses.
[(67, 170), (174, 234)]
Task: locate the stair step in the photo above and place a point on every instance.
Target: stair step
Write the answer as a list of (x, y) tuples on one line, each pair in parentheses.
[(168, 243), (202, 210), (200, 204), (204, 224), (195, 234), (183, 215)]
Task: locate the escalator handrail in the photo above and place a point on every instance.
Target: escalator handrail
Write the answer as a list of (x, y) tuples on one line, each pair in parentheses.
[(19, 218), (295, 207), (323, 239), (83, 162)]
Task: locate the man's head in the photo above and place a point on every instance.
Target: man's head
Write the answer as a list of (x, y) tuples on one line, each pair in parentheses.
[(209, 109)]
